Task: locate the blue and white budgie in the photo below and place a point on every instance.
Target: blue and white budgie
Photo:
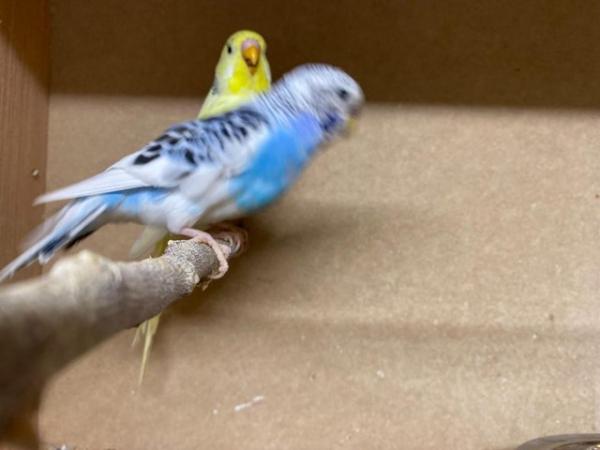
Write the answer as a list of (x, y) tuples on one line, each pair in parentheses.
[(206, 171)]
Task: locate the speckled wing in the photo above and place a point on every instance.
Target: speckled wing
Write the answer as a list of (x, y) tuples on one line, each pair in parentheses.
[(189, 157)]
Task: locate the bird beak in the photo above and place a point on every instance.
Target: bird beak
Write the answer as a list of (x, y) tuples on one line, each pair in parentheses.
[(251, 54), (349, 128), (351, 122)]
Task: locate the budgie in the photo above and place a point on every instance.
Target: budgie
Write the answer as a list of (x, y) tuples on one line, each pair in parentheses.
[(206, 171), (242, 72)]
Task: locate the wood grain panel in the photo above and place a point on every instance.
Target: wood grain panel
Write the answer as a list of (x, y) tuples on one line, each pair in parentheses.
[(24, 49)]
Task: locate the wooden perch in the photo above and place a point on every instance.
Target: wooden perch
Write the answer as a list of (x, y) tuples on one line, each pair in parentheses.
[(47, 322)]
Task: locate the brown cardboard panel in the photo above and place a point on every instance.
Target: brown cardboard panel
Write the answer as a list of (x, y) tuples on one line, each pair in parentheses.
[(24, 48), (431, 283), (508, 52)]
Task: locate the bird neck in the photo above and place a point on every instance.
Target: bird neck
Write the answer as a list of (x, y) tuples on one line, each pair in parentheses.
[(282, 104)]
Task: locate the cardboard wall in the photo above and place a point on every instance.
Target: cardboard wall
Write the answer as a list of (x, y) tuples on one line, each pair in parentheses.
[(430, 283), (24, 64)]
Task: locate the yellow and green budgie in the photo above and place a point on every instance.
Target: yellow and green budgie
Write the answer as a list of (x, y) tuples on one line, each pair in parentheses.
[(242, 72)]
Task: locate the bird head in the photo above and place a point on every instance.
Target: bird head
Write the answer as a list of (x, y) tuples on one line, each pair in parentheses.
[(243, 64), (330, 93)]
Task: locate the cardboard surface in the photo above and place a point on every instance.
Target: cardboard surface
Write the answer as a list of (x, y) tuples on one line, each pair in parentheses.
[(24, 73), (508, 52), (430, 283)]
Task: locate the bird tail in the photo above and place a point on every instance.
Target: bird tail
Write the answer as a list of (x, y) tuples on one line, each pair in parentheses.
[(147, 329), (151, 238), (64, 229)]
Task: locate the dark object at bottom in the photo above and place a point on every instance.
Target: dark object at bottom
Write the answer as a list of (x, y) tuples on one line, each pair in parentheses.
[(564, 442)]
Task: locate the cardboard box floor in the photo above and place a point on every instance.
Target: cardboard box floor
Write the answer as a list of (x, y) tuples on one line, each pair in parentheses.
[(432, 282)]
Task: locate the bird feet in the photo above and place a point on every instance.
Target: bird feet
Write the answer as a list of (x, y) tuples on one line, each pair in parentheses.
[(206, 238), (236, 237)]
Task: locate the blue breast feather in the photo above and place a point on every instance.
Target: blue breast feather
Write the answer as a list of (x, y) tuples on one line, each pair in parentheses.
[(276, 164)]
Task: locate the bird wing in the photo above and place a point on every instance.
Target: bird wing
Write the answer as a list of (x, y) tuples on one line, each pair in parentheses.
[(189, 156), (110, 180)]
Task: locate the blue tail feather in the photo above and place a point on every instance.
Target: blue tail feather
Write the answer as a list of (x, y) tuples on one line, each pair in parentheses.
[(71, 224)]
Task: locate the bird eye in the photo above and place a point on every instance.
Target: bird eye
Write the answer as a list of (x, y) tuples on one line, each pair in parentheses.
[(343, 94), (229, 49)]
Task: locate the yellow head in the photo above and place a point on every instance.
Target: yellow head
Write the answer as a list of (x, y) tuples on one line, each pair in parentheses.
[(243, 65)]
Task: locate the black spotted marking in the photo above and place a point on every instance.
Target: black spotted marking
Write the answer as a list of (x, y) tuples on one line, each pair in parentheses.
[(51, 246), (249, 123), (211, 120), (217, 136), (234, 129), (179, 129), (79, 238), (163, 138), (225, 131), (173, 141), (330, 123), (143, 159), (243, 120), (154, 148), (251, 118), (189, 156)]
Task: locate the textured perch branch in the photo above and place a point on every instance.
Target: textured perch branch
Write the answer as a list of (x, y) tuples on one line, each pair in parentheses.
[(48, 321)]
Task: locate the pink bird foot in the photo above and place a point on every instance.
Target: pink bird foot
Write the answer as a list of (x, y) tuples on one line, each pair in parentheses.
[(206, 238)]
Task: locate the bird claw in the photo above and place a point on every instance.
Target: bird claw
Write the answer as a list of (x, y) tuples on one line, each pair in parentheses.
[(235, 237), (205, 238)]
